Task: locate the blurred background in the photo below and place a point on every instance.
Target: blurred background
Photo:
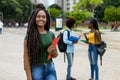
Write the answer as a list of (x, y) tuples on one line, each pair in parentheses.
[(15, 13)]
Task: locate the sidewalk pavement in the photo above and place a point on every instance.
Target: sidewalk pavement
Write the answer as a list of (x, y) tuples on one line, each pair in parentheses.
[(11, 57)]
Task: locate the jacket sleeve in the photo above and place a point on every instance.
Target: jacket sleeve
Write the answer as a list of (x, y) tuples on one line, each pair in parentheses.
[(65, 38)]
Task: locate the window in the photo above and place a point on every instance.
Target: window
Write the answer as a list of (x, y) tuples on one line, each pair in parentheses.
[(68, 8), (68, 4), (74, 1)]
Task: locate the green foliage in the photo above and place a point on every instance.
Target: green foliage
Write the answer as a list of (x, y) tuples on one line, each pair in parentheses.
[(80, 16), (66, 14), (55, 6), (118, 14), (112, 14), (54, 13), (90, 5), (87, 14), (18, 10), (96, 2), (115, 3), (81, 5), (85, 9), (25, 5), (100, 9)]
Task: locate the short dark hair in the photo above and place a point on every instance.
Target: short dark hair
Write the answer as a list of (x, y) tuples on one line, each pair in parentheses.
[(70, 22)]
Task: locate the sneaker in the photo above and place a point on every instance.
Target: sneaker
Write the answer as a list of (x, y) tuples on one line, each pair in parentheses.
[(72, 78)]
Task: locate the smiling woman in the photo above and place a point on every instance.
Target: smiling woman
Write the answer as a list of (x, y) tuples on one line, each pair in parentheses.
[(41, 19), (38, 46)]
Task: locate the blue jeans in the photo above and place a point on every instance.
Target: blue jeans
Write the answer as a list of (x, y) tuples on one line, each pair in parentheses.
[(70, 57), (93, 58), (43, 72)]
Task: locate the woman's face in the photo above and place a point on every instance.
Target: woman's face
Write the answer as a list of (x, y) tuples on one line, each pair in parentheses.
[(41, 19), (90, 25)]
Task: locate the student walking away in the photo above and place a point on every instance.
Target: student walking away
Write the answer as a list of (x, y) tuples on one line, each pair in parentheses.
[(37, 47), (1, 26), (70, 46), (93, 38), (114, 26)]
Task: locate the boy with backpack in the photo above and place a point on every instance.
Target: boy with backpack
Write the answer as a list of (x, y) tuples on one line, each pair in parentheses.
[(70, 46)]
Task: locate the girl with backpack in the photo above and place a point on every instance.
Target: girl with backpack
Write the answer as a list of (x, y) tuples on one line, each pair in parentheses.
[(93, 39)]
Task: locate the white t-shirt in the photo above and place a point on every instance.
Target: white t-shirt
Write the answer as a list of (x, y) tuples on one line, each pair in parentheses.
[(1, 24)]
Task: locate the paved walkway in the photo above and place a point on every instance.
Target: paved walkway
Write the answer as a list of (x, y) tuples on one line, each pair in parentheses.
[(11, 57)]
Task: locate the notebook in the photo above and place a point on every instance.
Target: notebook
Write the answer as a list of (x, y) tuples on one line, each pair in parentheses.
[(83, 41), (74, 38)]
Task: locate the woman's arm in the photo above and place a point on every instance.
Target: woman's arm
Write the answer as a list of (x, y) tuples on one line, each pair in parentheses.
[(85, 36), (26, 62)]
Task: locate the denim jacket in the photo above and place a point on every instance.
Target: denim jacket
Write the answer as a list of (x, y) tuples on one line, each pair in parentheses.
[(70, 45)]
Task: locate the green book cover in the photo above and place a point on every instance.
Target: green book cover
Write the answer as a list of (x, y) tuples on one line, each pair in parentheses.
[(83, 41)]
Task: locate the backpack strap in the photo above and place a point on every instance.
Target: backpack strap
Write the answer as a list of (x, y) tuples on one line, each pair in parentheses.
[(100, 60), (95, 42), (68, 33)]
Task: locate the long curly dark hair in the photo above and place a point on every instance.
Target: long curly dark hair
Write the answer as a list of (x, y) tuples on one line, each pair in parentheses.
[(34, 42)]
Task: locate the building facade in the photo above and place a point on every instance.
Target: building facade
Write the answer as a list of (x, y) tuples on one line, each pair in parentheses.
[(47, 3), (67, 5)]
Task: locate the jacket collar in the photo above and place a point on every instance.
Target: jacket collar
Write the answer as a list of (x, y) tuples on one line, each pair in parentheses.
[(69, 29)]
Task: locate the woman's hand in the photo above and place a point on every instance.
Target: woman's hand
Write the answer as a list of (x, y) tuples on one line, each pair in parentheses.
[(52, 51), (84, 34)]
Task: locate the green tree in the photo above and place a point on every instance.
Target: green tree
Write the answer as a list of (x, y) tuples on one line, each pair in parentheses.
[(10, 8), (112, 14), (81, 5), (55, 6), (66, 14), (118, 14), (80, 16), (100, 9), (54, 13), (25, 6), (89, 5), (95, 3), (85, 9), (17, 10)]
